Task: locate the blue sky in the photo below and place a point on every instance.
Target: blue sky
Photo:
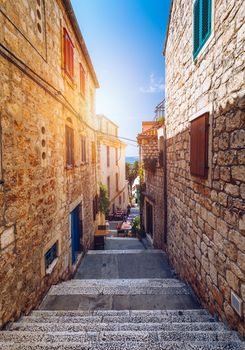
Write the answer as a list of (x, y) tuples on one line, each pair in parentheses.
[(125, 40)]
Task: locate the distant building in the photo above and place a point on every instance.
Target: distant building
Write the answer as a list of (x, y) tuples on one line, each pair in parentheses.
[(111, 153), (150, 141), (48, 165), (136, 191), (205, 143)]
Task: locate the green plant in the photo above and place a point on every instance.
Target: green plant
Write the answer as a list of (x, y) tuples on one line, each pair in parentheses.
[(160, 119), (136, 225), (104, 202)]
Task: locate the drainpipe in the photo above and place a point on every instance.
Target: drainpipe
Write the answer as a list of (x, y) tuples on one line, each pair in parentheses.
[(165, 193)]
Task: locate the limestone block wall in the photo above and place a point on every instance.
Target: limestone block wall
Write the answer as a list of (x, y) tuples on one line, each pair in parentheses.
[(206, 217), (154, 189), (154, 193), (37, 191)]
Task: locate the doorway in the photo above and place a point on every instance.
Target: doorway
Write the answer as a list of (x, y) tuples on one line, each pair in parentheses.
[(149, 219), (76, 232)]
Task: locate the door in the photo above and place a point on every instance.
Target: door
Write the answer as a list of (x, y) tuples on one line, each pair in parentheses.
[(149, 219), (75, 233)]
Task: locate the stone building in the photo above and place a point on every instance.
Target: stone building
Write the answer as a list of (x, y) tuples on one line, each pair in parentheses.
[(48, 169), (150, 142), (205, 139), (111, 153)]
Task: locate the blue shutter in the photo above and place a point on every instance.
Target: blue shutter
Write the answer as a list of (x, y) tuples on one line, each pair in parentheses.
[(196, 37)]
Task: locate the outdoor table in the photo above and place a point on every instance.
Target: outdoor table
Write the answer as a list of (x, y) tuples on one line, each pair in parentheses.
[(99, 239)]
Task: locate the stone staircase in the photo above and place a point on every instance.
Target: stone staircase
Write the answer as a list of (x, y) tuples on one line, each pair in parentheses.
[(135, 329), (113, 314)]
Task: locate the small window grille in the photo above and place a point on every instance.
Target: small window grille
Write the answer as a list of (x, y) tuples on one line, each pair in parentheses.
[(51, 255)]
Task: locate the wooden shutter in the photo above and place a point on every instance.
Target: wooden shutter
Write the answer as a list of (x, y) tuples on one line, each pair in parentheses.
[(68, 55), (82, 80), (69, 134), (196, 26), (199, 146), (93, 152)]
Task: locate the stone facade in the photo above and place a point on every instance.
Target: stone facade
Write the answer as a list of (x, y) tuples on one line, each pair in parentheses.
[(38, 191), (152, 188), (111, 151), (205, 230)]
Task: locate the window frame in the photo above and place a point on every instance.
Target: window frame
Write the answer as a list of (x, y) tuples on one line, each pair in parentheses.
[(202, 42), (83, 146), (116, 155), (53, 252), (108, 156), (109, 186), (93, 150), (68, 52)]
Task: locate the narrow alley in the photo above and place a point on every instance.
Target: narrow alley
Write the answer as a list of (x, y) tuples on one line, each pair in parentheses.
[(122, 175), (123, 298)]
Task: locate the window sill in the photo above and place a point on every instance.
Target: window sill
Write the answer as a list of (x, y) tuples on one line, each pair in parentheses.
[(69, 79), (51, 267)]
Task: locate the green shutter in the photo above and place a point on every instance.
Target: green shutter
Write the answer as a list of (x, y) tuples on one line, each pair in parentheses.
[(196, 42), (202, 14), (206, 19)]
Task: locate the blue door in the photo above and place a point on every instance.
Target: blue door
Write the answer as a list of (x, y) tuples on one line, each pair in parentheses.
[(75, 233)]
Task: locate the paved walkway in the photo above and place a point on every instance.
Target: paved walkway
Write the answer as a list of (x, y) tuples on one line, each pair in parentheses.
[(124, 299), (129, 264)]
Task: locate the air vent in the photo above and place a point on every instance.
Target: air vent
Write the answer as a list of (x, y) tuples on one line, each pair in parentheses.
[(236, 303)]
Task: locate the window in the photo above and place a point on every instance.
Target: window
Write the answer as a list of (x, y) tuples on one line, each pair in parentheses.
[(117, 182), (68, 55), (51, 255), (202, 17), (82, 80), (69, 146), (83, 149), (108, 185), (108, 155), (93, 152), (116, 155), (199, 146)]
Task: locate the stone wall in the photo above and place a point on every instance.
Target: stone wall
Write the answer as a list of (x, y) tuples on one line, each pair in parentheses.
[(206, 217), (154, 186), (37, 191), (154, 193)]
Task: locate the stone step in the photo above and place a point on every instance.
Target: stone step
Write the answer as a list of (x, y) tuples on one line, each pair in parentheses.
[(139, 313), (104, 316), (220, 345), (46, 325), (126, 251), (118, 336), (121, 287)]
